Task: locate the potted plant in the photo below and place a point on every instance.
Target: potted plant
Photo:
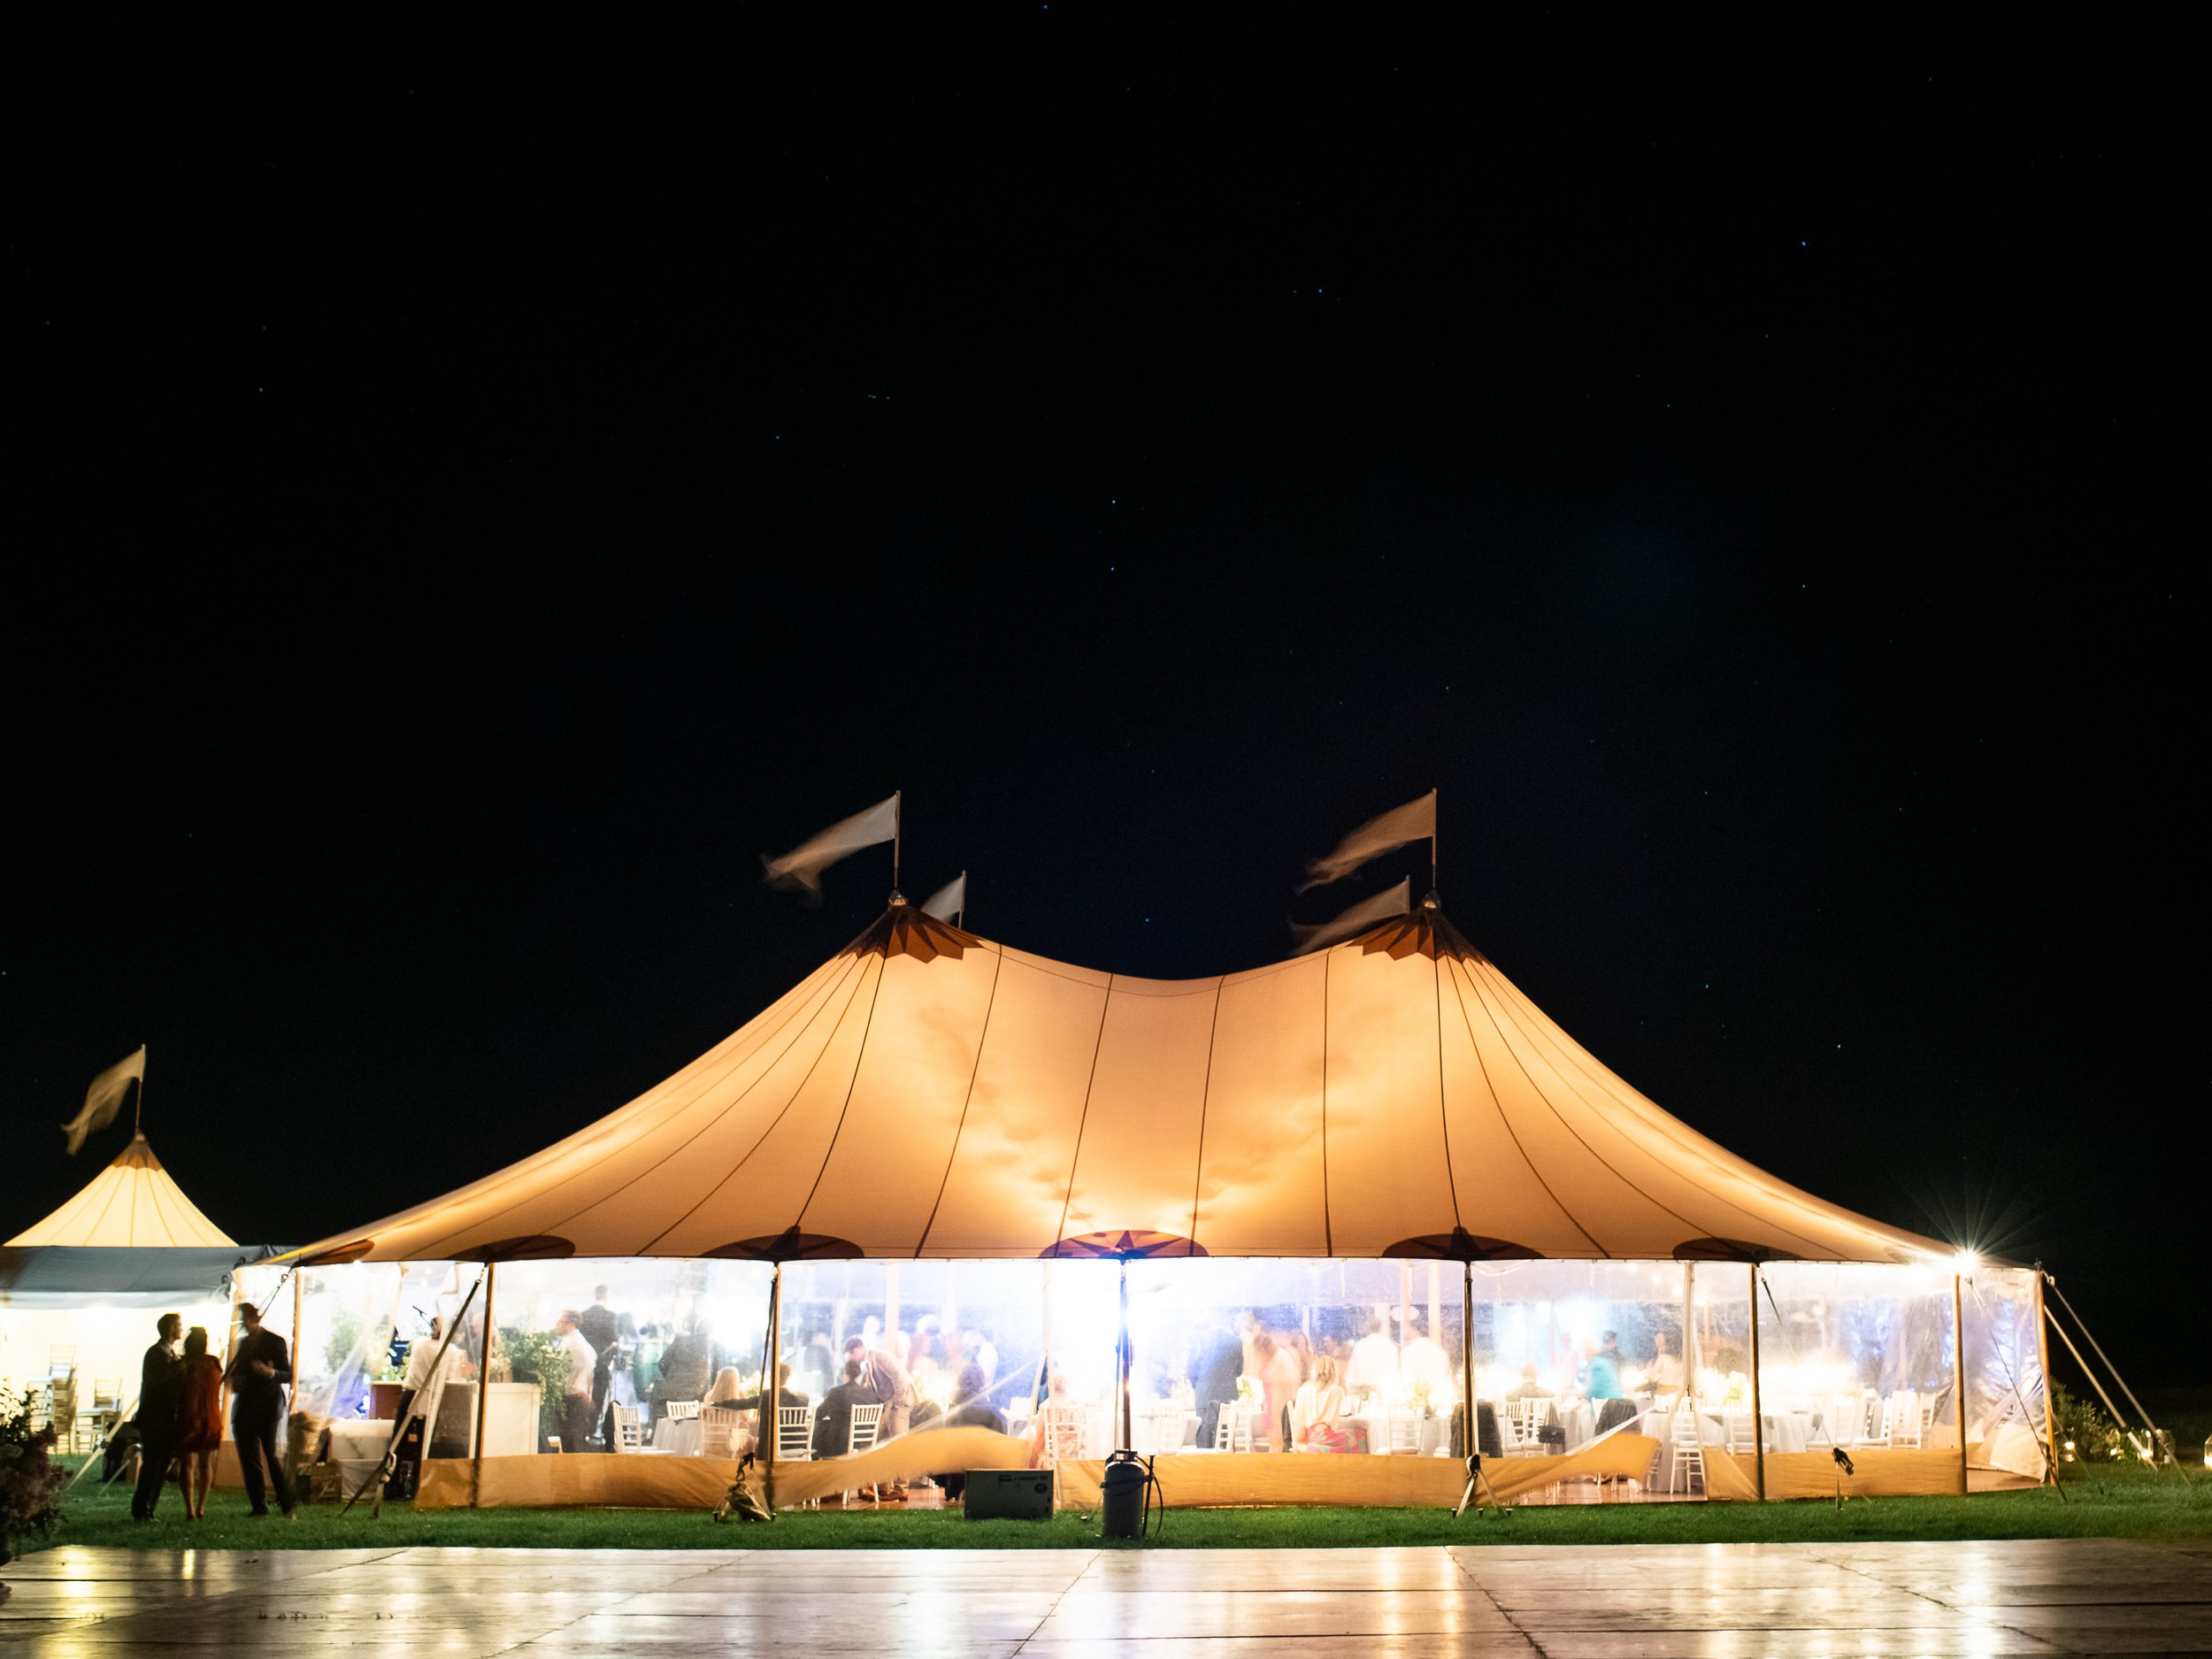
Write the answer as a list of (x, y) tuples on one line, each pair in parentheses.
[(30, 1480)]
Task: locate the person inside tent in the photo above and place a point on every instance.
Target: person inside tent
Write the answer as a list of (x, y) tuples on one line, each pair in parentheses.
[(834, 1418), (1317, 1412), (1424, 1362), (1374, 1369), (1276, 1371), (576, 1423)]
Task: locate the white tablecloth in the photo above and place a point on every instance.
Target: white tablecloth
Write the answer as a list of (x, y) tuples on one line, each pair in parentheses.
[(679, 1436)]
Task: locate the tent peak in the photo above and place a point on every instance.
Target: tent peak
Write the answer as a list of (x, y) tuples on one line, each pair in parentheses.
[(905, 931), (1423, 931)]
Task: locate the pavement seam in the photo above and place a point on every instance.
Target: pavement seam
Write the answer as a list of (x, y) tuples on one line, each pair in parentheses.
[(1981, 1614), (1096, 1555), (1453, 1553)]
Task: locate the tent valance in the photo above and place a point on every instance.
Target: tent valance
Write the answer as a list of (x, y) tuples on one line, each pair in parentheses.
[(930, 1093)]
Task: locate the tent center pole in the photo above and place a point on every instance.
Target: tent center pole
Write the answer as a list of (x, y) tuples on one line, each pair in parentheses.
[(1471, 1444), (1121, 1361), (1958, 1360), (1758, 1418), (770, 1412), (483, 1389)]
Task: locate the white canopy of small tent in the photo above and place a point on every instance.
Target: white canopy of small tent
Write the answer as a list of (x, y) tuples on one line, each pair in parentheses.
[(132, 1204), (926, 1092)]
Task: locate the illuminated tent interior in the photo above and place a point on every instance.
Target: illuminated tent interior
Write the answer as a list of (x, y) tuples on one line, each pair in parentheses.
[(935, 1100), (80, 1290)]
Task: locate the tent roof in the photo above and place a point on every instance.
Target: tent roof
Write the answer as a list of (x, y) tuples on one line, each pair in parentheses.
[(133, 1202), (926, 1092)]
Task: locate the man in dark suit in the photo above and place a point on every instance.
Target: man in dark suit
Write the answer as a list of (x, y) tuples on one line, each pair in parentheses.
[(834, 1418), (159, 1378), (259, 1372)]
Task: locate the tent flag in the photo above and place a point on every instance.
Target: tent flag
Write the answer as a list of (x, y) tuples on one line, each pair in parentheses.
[(948, 901), (1414, 821), (1389, 902), (803, 865), (104, 1098)]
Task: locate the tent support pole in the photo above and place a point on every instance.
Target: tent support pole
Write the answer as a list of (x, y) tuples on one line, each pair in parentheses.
[(1471, 1445), (296, 1355), (1758, 1418), (1958, 1380), (771, 1392), (483, 1389), (1121, 1361), (2043, 1353)]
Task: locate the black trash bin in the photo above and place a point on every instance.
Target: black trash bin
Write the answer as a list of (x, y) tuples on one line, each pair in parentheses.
[(1127, 1481)]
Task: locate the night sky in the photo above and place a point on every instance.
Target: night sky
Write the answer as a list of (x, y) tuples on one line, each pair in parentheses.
[(456, 531)]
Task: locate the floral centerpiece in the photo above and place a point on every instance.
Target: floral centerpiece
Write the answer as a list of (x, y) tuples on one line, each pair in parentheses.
[(1421, 1397), (30, 1481)]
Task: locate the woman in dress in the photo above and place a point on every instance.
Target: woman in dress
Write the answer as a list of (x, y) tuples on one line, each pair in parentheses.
[(199, 1422), (1315, 1411)]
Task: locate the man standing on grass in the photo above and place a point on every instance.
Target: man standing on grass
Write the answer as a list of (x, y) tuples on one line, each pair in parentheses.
[(159, 1381), (258, 1371), (576, 1400)]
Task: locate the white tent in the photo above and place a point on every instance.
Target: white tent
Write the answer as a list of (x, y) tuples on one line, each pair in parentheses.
[(926, 1092), (132, 1204)]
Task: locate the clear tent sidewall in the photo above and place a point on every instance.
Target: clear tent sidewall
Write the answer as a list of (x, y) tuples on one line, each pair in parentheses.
[(1863, 1355)]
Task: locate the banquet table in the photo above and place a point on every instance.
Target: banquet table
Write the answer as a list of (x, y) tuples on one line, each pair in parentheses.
[(1782, 1431), (679, 1436)]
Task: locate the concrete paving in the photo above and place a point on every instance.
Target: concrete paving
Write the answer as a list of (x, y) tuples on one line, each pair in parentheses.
[(1757, 1601)]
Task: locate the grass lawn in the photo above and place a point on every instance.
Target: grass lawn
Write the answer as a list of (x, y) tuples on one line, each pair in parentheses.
[(2114, 1503)]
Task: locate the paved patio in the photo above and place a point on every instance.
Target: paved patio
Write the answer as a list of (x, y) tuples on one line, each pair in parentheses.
[(2043, 1596)]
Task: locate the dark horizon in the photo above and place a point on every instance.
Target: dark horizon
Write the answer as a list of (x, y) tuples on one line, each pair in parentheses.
[(1764, 535)]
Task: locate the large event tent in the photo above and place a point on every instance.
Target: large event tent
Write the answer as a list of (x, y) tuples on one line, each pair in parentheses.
[(81, 1289), (929, 1094)]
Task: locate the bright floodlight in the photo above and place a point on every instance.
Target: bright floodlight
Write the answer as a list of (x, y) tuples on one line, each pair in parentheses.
[(1965, 1263)]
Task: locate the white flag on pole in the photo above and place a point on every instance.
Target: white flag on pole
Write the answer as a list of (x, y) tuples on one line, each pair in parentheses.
[(104, 1098), (948, 901), (1389, 902), (803, 865), (1414, 821)]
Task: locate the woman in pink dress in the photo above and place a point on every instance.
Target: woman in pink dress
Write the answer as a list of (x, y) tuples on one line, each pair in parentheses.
[(199, 1422), (1275, 1368)]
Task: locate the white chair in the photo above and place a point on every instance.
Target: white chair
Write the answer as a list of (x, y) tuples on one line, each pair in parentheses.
[(1526, 1416), (1873, 1423), (1685, 1437), (1900, 1419), (795, 1433), (860, 1436), (629, 1434), (1743, 1430), (1402, 1435), (682, 1411), (1225, 1427), (1061, 1436)]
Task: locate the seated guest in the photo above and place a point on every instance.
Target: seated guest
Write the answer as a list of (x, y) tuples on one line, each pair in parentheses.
[(1663, 1375), (785, 1394), (684, 1369), (1316, 1408), (834, 1418), (1528, 1387), (972, 1411)]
